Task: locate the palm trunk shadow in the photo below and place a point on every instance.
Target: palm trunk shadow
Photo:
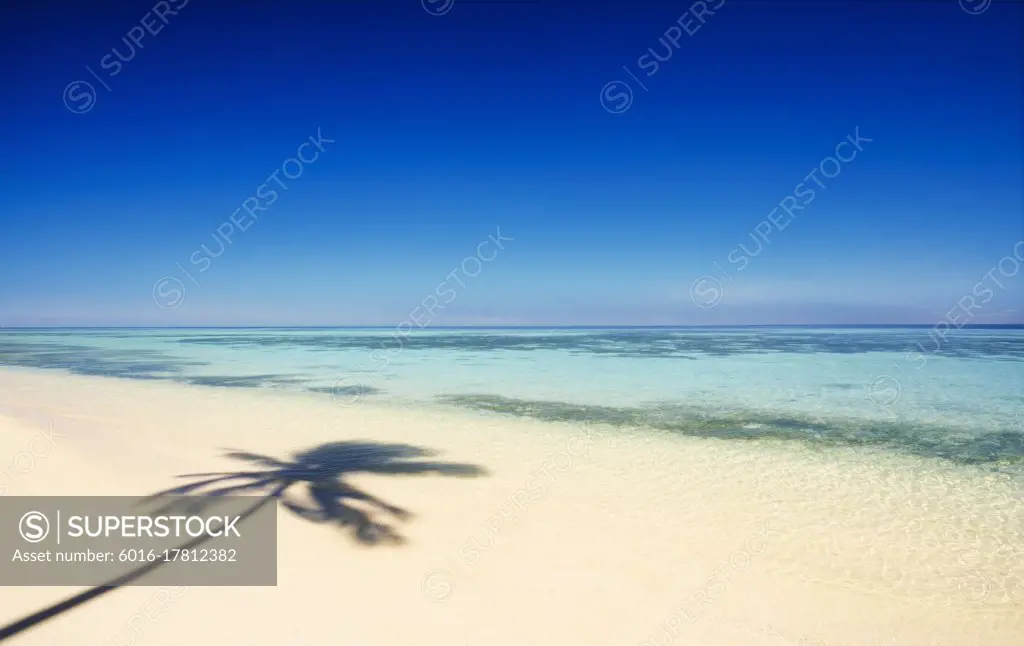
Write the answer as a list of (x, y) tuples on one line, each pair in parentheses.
[(23, 624)]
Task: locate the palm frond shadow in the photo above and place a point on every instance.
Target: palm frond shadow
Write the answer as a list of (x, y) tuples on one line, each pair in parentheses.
[(322, 471)]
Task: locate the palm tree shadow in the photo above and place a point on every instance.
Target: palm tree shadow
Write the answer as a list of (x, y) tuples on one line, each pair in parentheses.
[(322, 471)]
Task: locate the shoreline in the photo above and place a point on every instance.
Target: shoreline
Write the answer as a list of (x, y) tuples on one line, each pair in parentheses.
[(575, 534)]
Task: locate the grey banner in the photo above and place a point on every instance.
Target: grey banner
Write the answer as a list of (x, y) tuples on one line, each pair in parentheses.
[(122, 540)]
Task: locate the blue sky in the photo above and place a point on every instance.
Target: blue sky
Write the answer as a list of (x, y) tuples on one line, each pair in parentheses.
[(496, 116)]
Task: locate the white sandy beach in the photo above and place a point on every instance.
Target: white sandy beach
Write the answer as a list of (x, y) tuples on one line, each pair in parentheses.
[(630, 533)]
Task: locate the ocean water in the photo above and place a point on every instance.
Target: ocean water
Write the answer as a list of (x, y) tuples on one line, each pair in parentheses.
[(958, 398)]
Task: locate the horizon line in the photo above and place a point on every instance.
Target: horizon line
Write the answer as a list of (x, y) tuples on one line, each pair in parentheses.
[(511, 327)]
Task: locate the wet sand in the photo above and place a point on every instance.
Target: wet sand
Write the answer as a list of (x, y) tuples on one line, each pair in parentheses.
[(576, 534)]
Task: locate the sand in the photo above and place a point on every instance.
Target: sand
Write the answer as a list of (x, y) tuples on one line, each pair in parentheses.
[(575, 536)]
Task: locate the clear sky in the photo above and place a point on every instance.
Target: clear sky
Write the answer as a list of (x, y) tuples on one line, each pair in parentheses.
[(511, 116)]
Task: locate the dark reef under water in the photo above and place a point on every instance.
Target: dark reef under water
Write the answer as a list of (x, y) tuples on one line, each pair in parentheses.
[(996, 447), (149, 365), (664, 343), (992, 342)]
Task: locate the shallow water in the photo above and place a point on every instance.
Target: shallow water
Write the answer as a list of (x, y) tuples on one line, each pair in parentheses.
[(960, 398)]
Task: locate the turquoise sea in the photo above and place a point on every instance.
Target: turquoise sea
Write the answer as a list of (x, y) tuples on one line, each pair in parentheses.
[(958, 397)]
